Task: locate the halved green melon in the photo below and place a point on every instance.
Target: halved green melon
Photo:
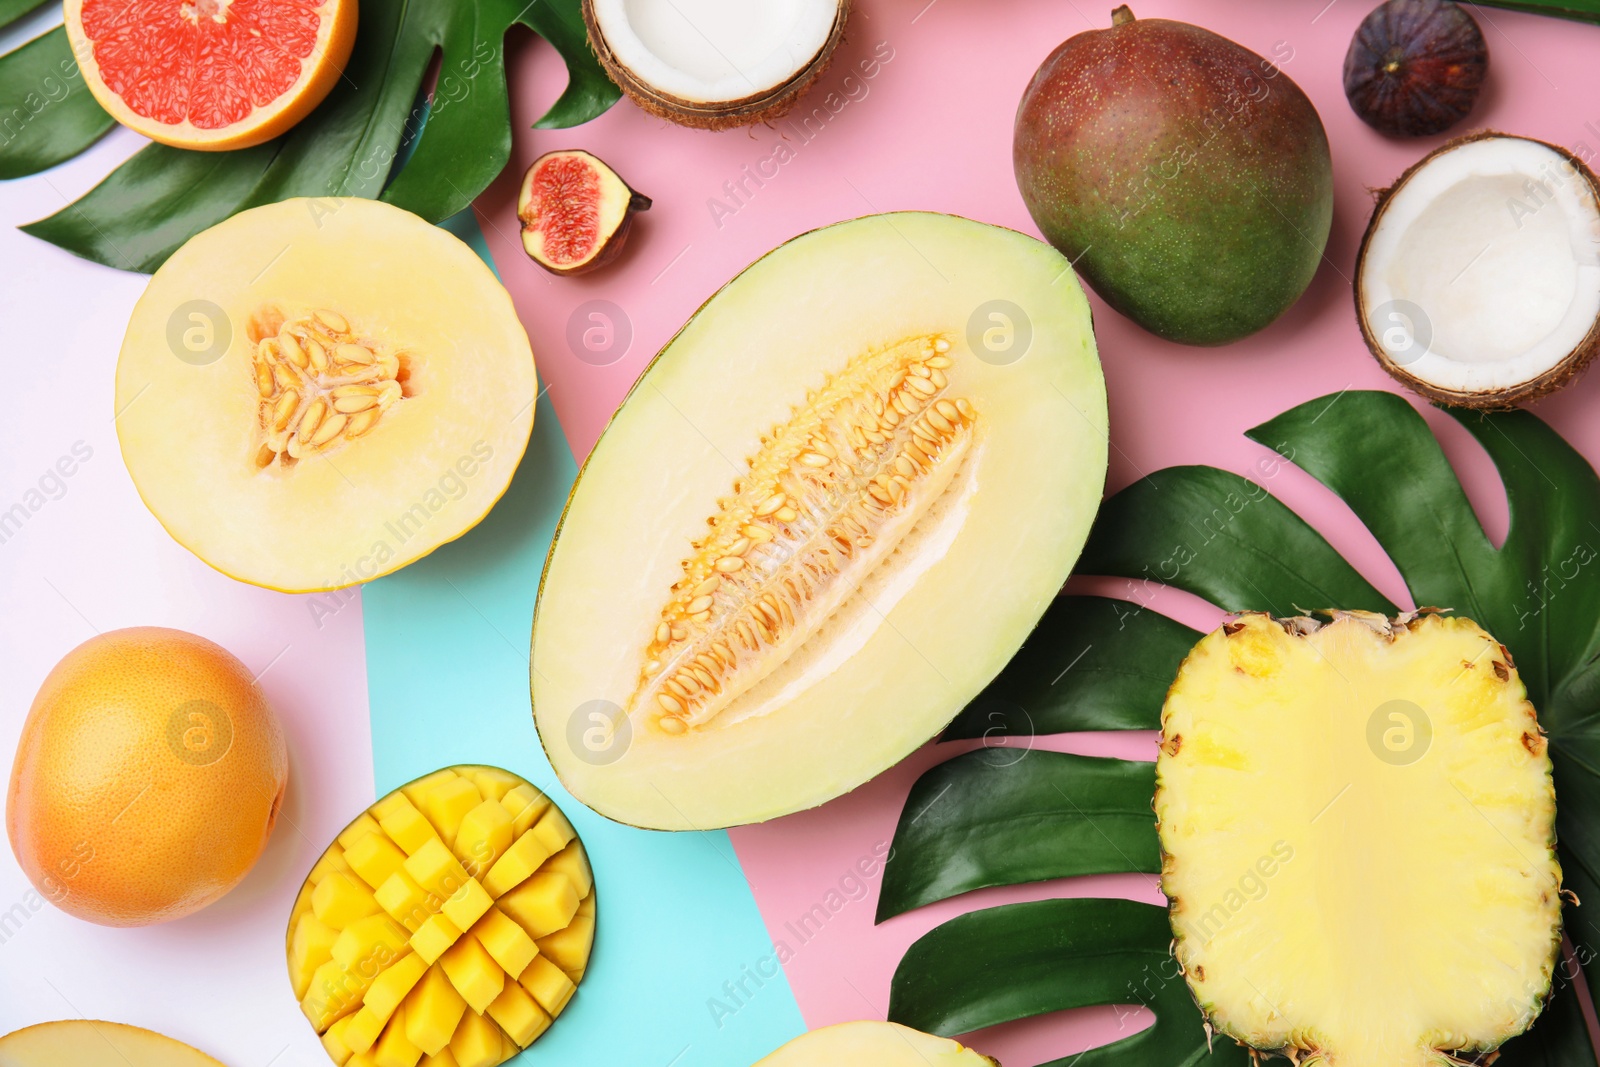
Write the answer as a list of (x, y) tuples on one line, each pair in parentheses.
[(873, 1044), (318, 392), (823, 519)]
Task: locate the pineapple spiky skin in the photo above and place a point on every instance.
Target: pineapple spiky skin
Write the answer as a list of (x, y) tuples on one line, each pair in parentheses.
[(1357, 823)]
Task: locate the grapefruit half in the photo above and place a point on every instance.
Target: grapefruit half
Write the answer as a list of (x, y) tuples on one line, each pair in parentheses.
[(210, 74)]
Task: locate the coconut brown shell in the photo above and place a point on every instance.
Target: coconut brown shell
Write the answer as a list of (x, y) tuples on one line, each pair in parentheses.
[(1555, 378), (749, 111)]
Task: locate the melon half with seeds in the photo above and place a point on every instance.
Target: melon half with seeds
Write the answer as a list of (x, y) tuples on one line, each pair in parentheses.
[(825, 517), (317, 392)]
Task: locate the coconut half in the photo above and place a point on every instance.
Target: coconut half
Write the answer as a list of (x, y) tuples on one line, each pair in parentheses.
[(713, 64), (1478, 280)]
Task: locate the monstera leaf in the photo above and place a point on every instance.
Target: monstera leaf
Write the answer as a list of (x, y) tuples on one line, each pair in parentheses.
[(1581, 10), (351, 145), (989, 818)]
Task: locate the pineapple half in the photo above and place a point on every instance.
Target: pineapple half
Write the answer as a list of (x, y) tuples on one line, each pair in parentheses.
[(1357, 827)]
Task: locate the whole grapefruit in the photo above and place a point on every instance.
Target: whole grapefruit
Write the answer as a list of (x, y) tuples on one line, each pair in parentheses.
[(148, 777)]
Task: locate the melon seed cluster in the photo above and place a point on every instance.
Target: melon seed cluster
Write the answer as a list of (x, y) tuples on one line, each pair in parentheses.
[(319, 383), (447, 926), (830, 494)]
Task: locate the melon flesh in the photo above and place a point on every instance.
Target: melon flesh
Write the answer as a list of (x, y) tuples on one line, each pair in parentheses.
[(873, 1044), (450, 364), (86, 1043), (850, 594)]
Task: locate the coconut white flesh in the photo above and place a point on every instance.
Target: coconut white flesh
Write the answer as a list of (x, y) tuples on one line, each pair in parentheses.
[(912, 640), (1483, 272), (715, 51)]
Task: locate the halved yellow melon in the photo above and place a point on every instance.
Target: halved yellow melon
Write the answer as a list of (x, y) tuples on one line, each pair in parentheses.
[(318, 392), (453, 919), (873, 1044), (90, 1043), (824, 518)]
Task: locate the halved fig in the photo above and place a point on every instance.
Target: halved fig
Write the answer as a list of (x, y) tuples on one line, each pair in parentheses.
[(1478, 279), (712, 64), (873, 1044), (825, 517), (575, 212)]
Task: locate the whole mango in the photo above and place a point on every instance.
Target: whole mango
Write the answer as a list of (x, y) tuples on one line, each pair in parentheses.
[(1186, 177)]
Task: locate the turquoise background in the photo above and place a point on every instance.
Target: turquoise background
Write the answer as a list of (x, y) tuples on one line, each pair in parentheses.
[(447, 675)]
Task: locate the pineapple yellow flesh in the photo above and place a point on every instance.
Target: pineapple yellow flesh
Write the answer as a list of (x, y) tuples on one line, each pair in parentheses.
[(1357, 823)]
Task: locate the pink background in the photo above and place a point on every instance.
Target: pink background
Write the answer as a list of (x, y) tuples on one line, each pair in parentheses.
[(932, 130)]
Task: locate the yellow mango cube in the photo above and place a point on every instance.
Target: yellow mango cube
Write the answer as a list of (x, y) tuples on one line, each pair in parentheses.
[(334, 1044), (468, 905), (387, 805), (363, 826), (309, 948), (361, 1059), (573, 862), (494, 783), (433, 937), (542, 904), (507, 942), (443, 1058), (406, 902), (476, 1042), (448, 802), (474, 973), (334, 993), (362, 1030), (436, 870), (569, 948), (392, 985), (554, 830), (376, 939), (547, 984), (374, 858), (484, 834), (406, 826), (518, 1015), (394, 1049), (414, 791), (331, 860), (433, 1011), (520, 861), (340, 899), (526, 804)]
